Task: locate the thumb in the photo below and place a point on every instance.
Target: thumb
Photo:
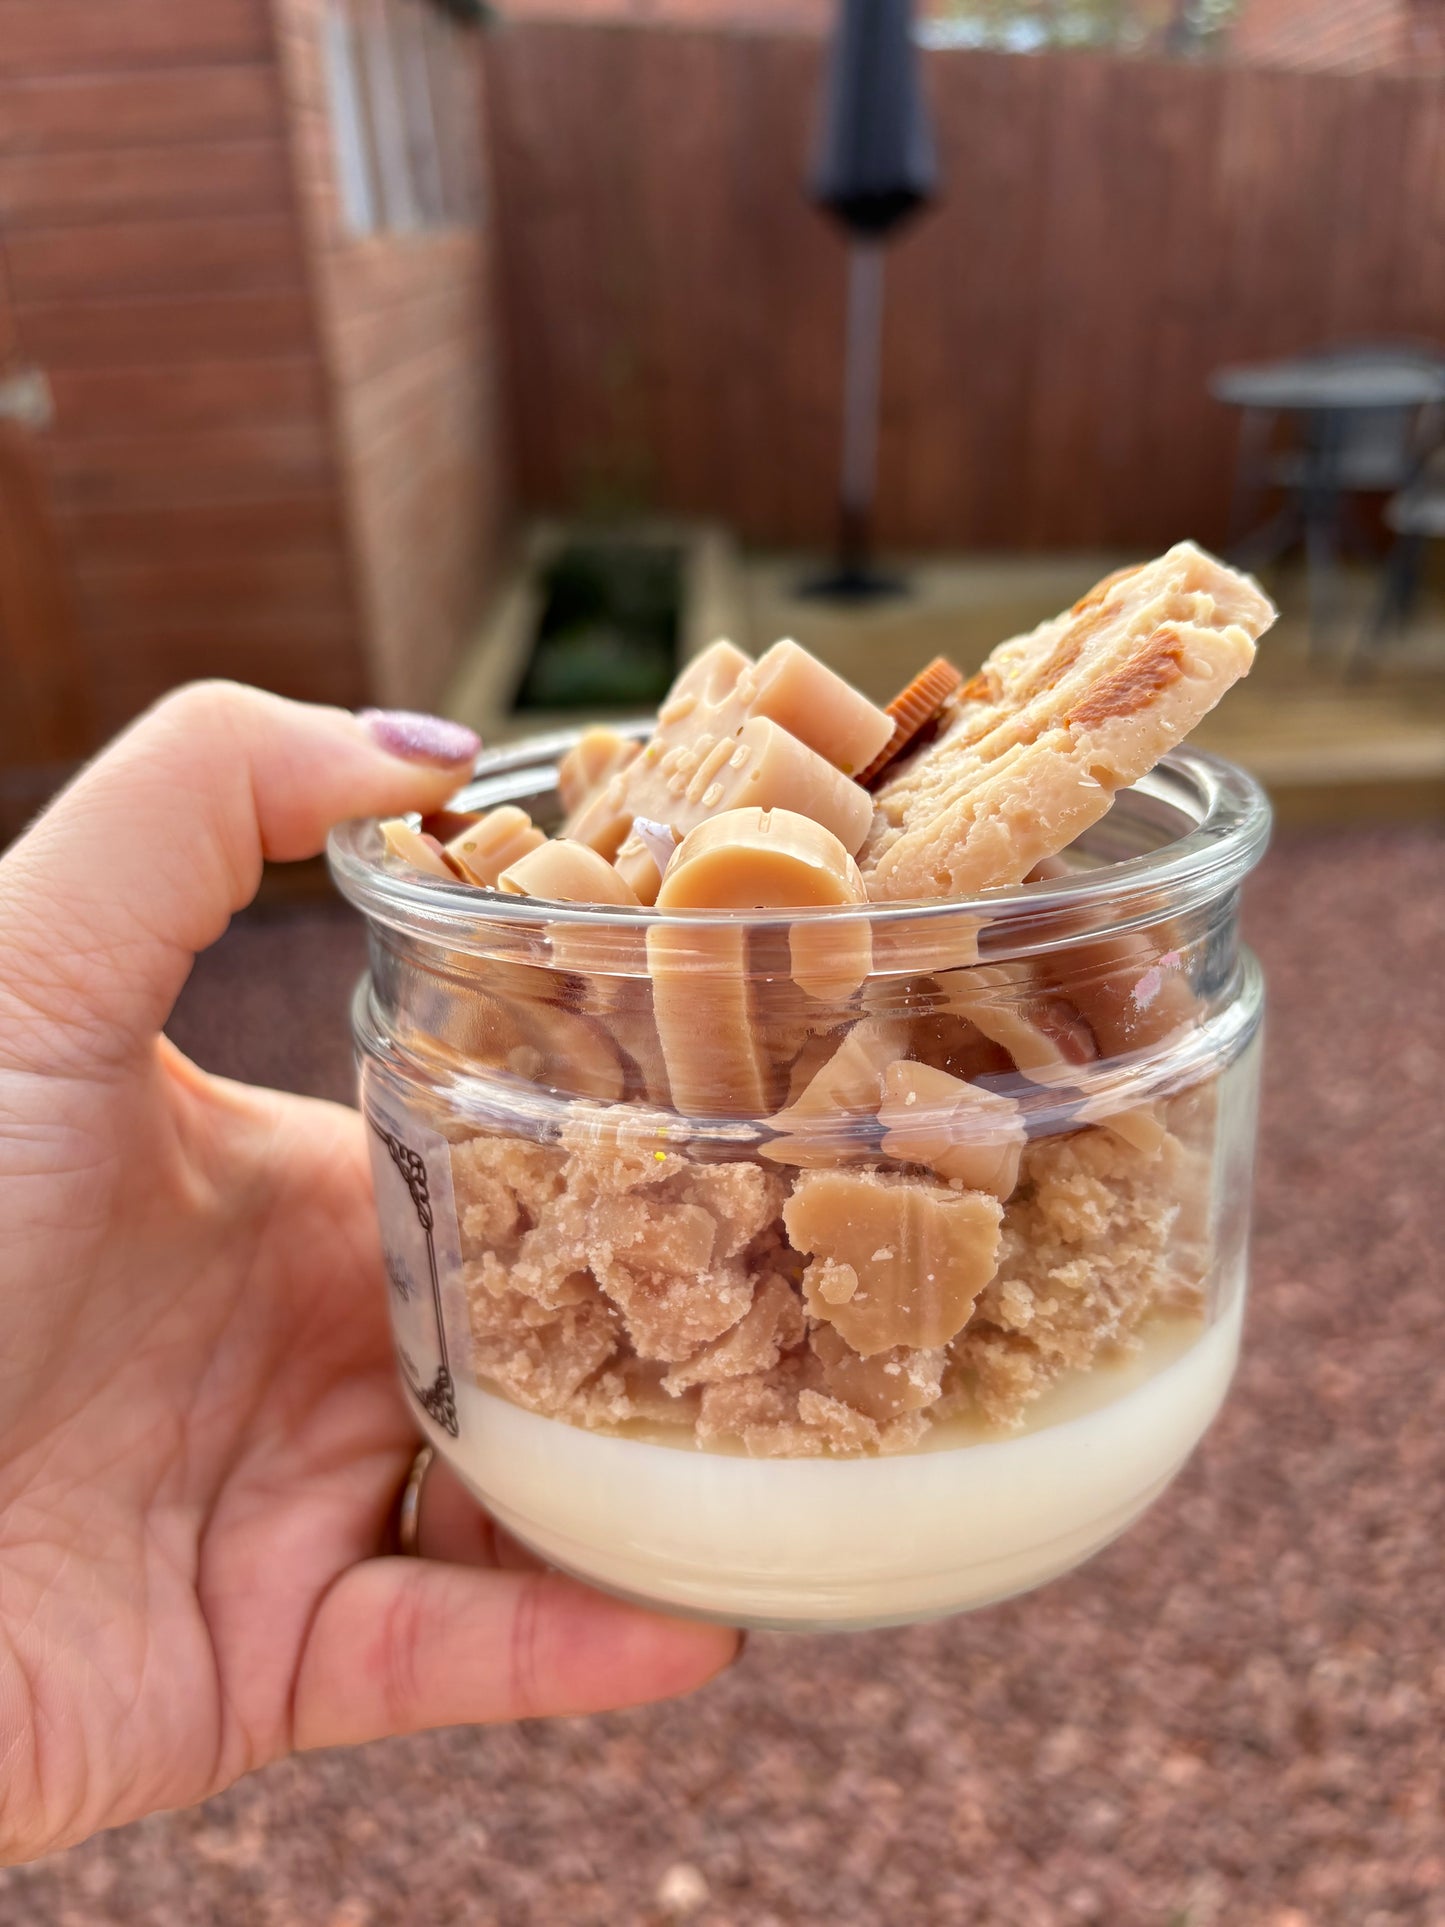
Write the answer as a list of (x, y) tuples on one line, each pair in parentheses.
[(141, 862)]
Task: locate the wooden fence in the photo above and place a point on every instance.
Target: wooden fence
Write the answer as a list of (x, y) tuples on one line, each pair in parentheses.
[(1110, 232)]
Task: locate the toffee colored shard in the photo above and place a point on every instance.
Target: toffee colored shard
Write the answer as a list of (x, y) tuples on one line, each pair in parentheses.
[(1035, 745)]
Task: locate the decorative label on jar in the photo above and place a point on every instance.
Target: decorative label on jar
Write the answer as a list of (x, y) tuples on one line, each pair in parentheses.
[(412, 1173)]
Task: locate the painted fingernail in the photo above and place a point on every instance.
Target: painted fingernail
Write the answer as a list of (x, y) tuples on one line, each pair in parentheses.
[(421, 739)]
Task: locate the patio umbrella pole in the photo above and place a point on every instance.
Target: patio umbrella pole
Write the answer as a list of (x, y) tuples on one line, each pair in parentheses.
[(875, 169), (860, 408), (851, 577)]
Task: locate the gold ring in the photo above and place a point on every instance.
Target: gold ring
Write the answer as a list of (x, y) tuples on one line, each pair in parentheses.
[(408, 1516)]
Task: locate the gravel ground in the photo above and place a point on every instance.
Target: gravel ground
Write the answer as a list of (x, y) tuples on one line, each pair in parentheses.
[(1234, 1716)]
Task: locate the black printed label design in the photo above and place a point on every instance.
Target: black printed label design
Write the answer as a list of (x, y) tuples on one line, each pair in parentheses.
[(411, 1171)]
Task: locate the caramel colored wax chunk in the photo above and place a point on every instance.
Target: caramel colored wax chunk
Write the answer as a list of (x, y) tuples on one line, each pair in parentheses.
[(593, 760), (889, 1383), (700, 1002), (743, 859), (1044, 1035), (445, 824), (626, 1013), (953, 1127), (1133, 989), (565, 872), (1142, 1127), (778, 733), (485, 847), (422, 852), (542, 1044), (818, 707), (894, 1261), (715, 1064), (570, 1054), (755, 859), (822, 1125)]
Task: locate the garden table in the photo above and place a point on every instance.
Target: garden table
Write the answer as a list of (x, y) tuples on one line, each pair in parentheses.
[(1363, 419)]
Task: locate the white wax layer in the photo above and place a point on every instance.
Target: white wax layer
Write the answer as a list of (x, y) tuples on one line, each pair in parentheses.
[(817, 1543)]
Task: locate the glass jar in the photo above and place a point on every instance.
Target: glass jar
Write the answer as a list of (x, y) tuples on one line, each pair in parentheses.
[(820, 1269)]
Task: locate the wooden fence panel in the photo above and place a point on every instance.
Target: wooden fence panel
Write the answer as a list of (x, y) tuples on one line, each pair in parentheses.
[(91, 36), (77, 112), (146, 331), (1110, 232), (144, 184), (153, 257)]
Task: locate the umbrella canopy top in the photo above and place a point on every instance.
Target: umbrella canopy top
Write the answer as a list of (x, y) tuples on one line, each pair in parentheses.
[(875, 165)]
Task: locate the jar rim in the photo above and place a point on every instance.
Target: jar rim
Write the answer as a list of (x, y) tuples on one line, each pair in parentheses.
[(1221, 812)]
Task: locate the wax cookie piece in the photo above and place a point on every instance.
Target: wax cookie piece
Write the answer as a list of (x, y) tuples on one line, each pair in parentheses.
[(1034, 746), (951, 1126), (752, 859), (483, 848), (913, 710), (593, 760), (781, 732), (414, 847), (895, 1261)]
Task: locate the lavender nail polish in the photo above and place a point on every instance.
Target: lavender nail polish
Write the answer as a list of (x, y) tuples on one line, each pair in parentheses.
[(422, 739)]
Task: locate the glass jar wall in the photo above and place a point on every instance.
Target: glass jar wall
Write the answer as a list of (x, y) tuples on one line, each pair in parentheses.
[(820, 1268)]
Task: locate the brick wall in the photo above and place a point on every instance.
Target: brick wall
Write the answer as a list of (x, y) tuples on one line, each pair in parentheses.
[(410, 354)]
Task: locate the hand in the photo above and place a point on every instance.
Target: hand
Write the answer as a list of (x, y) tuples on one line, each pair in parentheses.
[(201, 1434)]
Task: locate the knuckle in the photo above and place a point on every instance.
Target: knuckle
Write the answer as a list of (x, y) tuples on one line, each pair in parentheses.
[(525, 1668), (198, 705), (400, 1645)]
